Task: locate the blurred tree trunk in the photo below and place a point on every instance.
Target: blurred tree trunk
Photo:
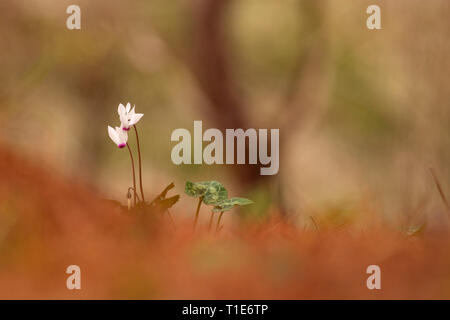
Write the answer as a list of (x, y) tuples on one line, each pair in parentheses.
[(211, 67), (212, 70)]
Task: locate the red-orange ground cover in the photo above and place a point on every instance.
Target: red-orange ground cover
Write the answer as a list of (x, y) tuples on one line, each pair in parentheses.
[(47, 224)]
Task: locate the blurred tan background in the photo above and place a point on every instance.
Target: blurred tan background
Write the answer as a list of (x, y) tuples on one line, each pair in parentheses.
[(362, 114)]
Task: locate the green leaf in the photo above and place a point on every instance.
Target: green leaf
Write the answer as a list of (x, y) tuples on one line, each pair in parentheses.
[(240, 201), (215, 194), (228, 204), (196, 189)]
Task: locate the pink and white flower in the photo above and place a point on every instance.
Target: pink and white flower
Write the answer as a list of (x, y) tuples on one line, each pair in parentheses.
[(118, 136), (128, 117)]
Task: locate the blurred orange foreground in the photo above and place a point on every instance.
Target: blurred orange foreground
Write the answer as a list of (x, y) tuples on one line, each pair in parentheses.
[(47, 224)]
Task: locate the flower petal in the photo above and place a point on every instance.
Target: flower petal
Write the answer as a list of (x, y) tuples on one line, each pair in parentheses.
[(113, 135), (121, 109), (123, 135), (124, 121), (135, 118)]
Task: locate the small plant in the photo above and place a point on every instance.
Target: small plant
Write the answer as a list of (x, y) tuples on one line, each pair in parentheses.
[(119, 135), (208, 192), (212, 193), (227, 205)]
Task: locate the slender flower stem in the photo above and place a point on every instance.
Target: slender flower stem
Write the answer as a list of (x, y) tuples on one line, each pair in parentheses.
[(211, 220), (140, 165), (197, 212), (134, 174), (218, 222)]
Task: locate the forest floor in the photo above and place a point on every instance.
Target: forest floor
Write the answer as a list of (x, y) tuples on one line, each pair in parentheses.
[(48, 223)]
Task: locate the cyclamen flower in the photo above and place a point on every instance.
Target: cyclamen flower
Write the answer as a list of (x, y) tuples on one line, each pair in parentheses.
[(119, 136), (128, 117)]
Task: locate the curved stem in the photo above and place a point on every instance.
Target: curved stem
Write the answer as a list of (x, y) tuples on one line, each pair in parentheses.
[(197, 212), (134, 174), (140, 165), (138, 199), (211, 220), (218, 222)]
